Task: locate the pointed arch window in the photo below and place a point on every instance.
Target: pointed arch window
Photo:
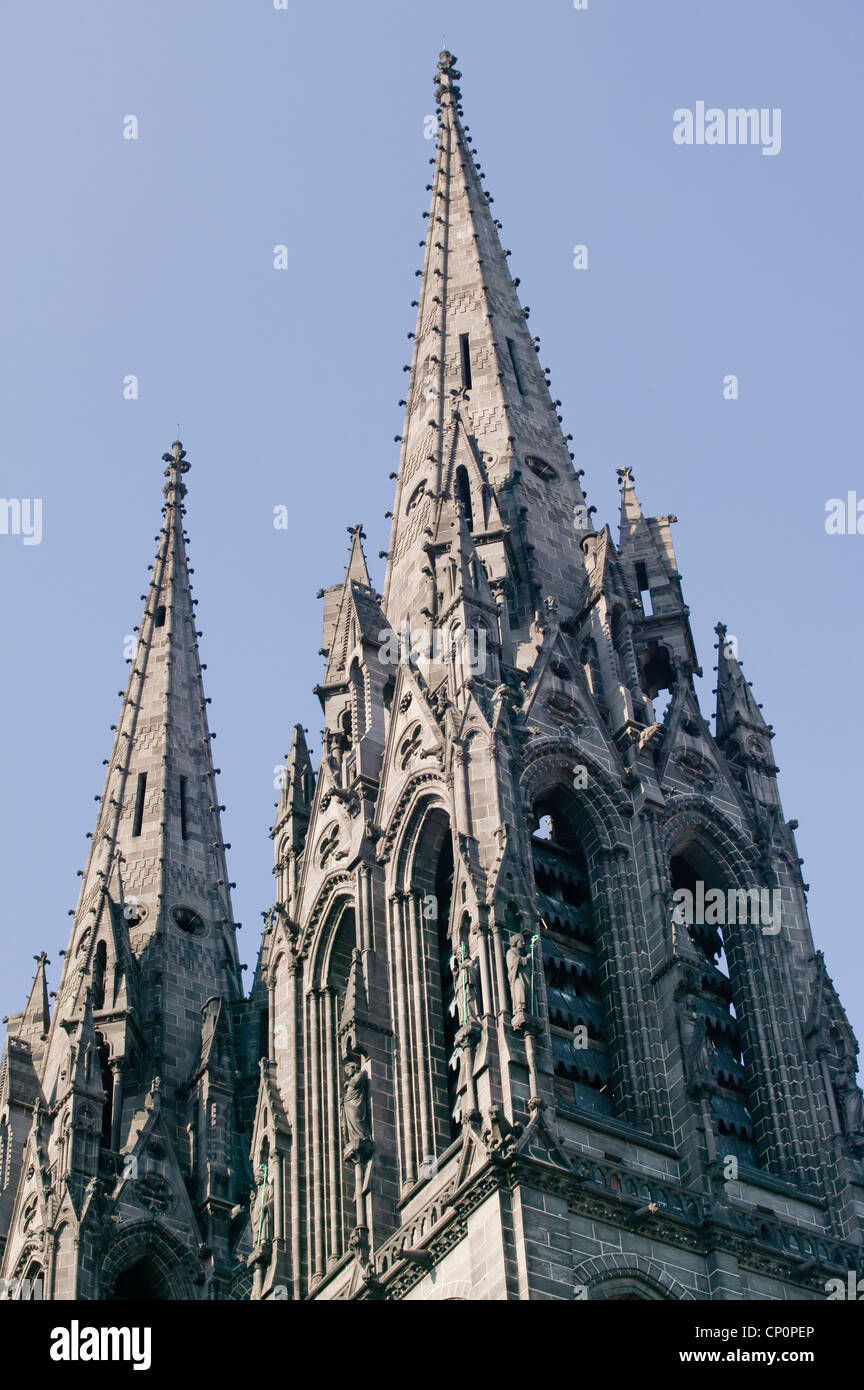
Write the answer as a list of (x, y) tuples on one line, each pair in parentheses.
[(344, 744), (456, 653), (571, 959), (656, 671), (100, 965), (715, 1039), (4, 1151), (141, 1281), (463, 495), (425, 1006), (450, 1015), (32, 1287), (103, 1054), (334, 1025), (358, 700)]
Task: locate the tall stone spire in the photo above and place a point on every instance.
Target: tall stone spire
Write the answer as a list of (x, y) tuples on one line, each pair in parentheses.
[(157, 851), (480, 424), (470, 979), (151, 976)]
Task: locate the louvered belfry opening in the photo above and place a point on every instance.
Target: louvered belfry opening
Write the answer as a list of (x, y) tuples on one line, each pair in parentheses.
[(730, 1107), (423, 993), (339, 1195), (450, 1017), (571, 960)]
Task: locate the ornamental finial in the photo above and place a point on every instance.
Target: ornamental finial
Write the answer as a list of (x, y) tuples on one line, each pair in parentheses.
[(176, 459), (447, 76)]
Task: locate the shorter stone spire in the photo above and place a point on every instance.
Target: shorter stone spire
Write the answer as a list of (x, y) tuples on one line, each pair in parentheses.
[(340, 624), (357, 567), (298, 782), (631, 510), (32, 1025), (736, 704)]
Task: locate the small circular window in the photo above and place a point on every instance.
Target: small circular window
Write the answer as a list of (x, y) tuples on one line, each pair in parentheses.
[(543, 469), (189, 921)]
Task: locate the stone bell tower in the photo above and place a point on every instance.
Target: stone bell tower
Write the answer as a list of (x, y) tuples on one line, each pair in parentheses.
[(123, 1159), (529, 1033)]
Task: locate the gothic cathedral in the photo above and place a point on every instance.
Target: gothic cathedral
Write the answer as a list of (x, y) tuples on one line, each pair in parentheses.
[(537, 1013)]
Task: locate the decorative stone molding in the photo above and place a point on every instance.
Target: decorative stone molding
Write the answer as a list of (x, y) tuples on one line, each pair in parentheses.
[(602, 1269)]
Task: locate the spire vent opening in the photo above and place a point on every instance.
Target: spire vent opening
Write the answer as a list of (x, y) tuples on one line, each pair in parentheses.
[(103, 1053), (514, 363), (644, 589), (465, 355), (100, 967), (140, 793), (463, 495), (184, 825), (542, 469), (189, 921), (159, 620)]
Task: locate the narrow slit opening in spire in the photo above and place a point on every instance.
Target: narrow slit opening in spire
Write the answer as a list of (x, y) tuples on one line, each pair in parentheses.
[(140, 793), (514, 363), (463, 495), (644, 589), (183, 820), (465, 351)]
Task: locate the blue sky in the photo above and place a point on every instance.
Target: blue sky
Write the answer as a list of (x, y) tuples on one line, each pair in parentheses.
[(305, 127)]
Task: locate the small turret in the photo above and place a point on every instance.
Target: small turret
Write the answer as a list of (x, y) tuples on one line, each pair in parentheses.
[(741, 730)]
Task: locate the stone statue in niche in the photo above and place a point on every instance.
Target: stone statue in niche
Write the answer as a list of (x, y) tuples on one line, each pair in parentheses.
[(467, 1002), (262, 1207), (520, 974), (153, 1099), (696, 1048), (851, 1106), (356, 1110)]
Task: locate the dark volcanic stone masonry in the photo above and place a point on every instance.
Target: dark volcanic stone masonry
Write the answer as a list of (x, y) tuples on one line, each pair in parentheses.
[(538, 1013)]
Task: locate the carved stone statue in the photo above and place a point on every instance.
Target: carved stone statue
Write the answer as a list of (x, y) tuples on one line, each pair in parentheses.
[(696, 1048), (356, 1115), (262, 1207), (153, 1099), (851, 1105), (466, 982), (520, 965)]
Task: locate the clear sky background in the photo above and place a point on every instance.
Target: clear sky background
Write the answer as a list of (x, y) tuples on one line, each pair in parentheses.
[(305, 126)]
